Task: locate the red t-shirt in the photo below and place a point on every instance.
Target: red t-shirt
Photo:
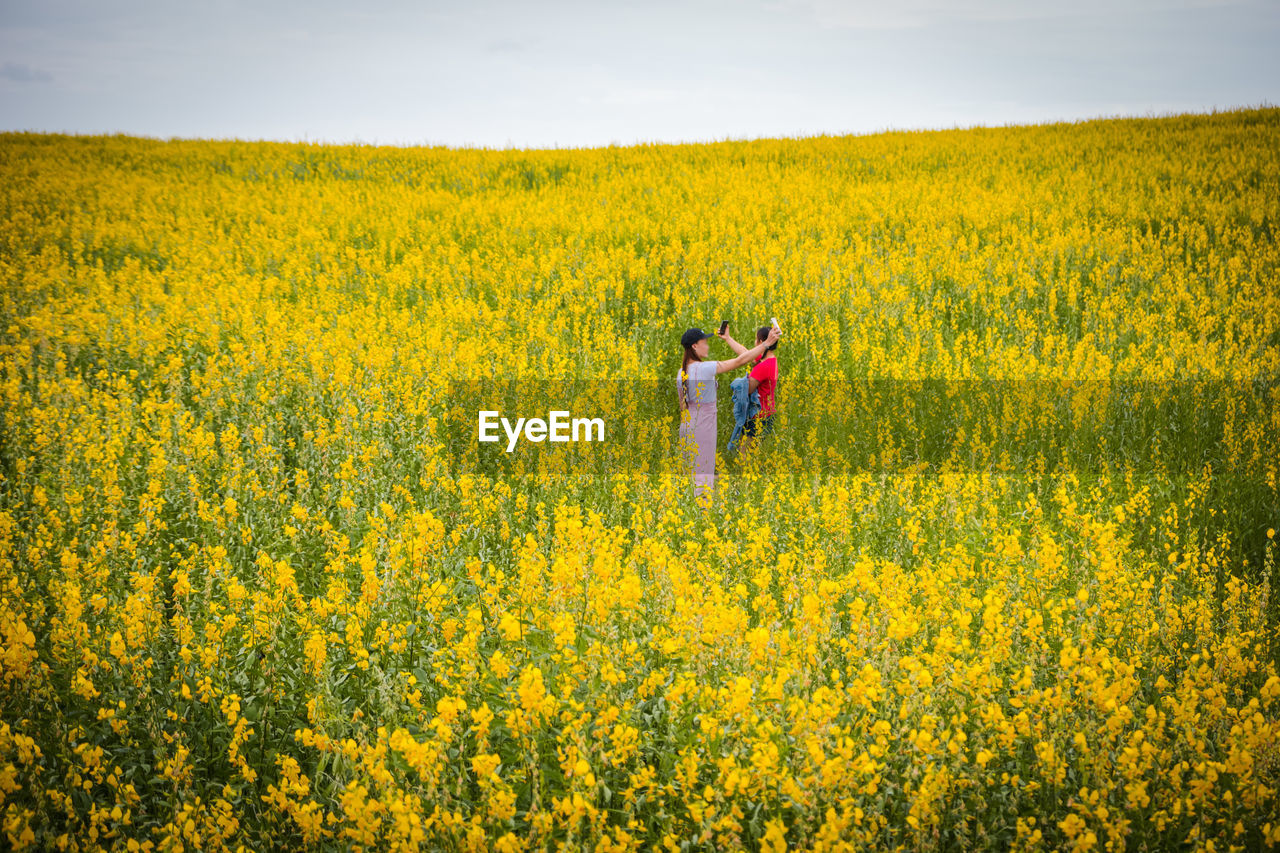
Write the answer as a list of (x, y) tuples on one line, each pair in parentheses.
[(766, 373)]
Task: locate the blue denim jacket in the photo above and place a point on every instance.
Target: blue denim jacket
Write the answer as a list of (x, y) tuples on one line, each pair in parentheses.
[(745, 406)]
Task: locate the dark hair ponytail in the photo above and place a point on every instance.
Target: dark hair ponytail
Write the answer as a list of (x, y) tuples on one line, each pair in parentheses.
[(689, 355)]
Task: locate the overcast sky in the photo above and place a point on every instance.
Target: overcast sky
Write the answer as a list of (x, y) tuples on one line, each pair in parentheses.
[(546, 74)]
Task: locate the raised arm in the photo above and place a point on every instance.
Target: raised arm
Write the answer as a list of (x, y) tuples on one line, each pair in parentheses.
[(733, 345), (748, 355)]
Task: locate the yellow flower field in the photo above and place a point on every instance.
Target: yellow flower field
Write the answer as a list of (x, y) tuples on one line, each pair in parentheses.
[(1003, 578)]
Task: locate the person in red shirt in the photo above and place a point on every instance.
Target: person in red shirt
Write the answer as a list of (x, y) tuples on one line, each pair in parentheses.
[(764, 378)]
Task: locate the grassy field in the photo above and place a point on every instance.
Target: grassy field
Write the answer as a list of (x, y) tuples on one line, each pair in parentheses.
[(1001, 579)]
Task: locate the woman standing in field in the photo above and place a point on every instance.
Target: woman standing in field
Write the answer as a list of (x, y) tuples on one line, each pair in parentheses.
[(764, 378), (696, 385)]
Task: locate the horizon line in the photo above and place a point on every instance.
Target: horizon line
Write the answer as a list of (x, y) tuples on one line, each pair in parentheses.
[(1150, 115)]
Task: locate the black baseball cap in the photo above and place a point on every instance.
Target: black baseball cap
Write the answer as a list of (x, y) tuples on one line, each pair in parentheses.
[(692, 336)]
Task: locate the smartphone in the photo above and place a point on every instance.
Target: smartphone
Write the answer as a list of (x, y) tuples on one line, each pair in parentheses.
[(724, 326), (775, 323)]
